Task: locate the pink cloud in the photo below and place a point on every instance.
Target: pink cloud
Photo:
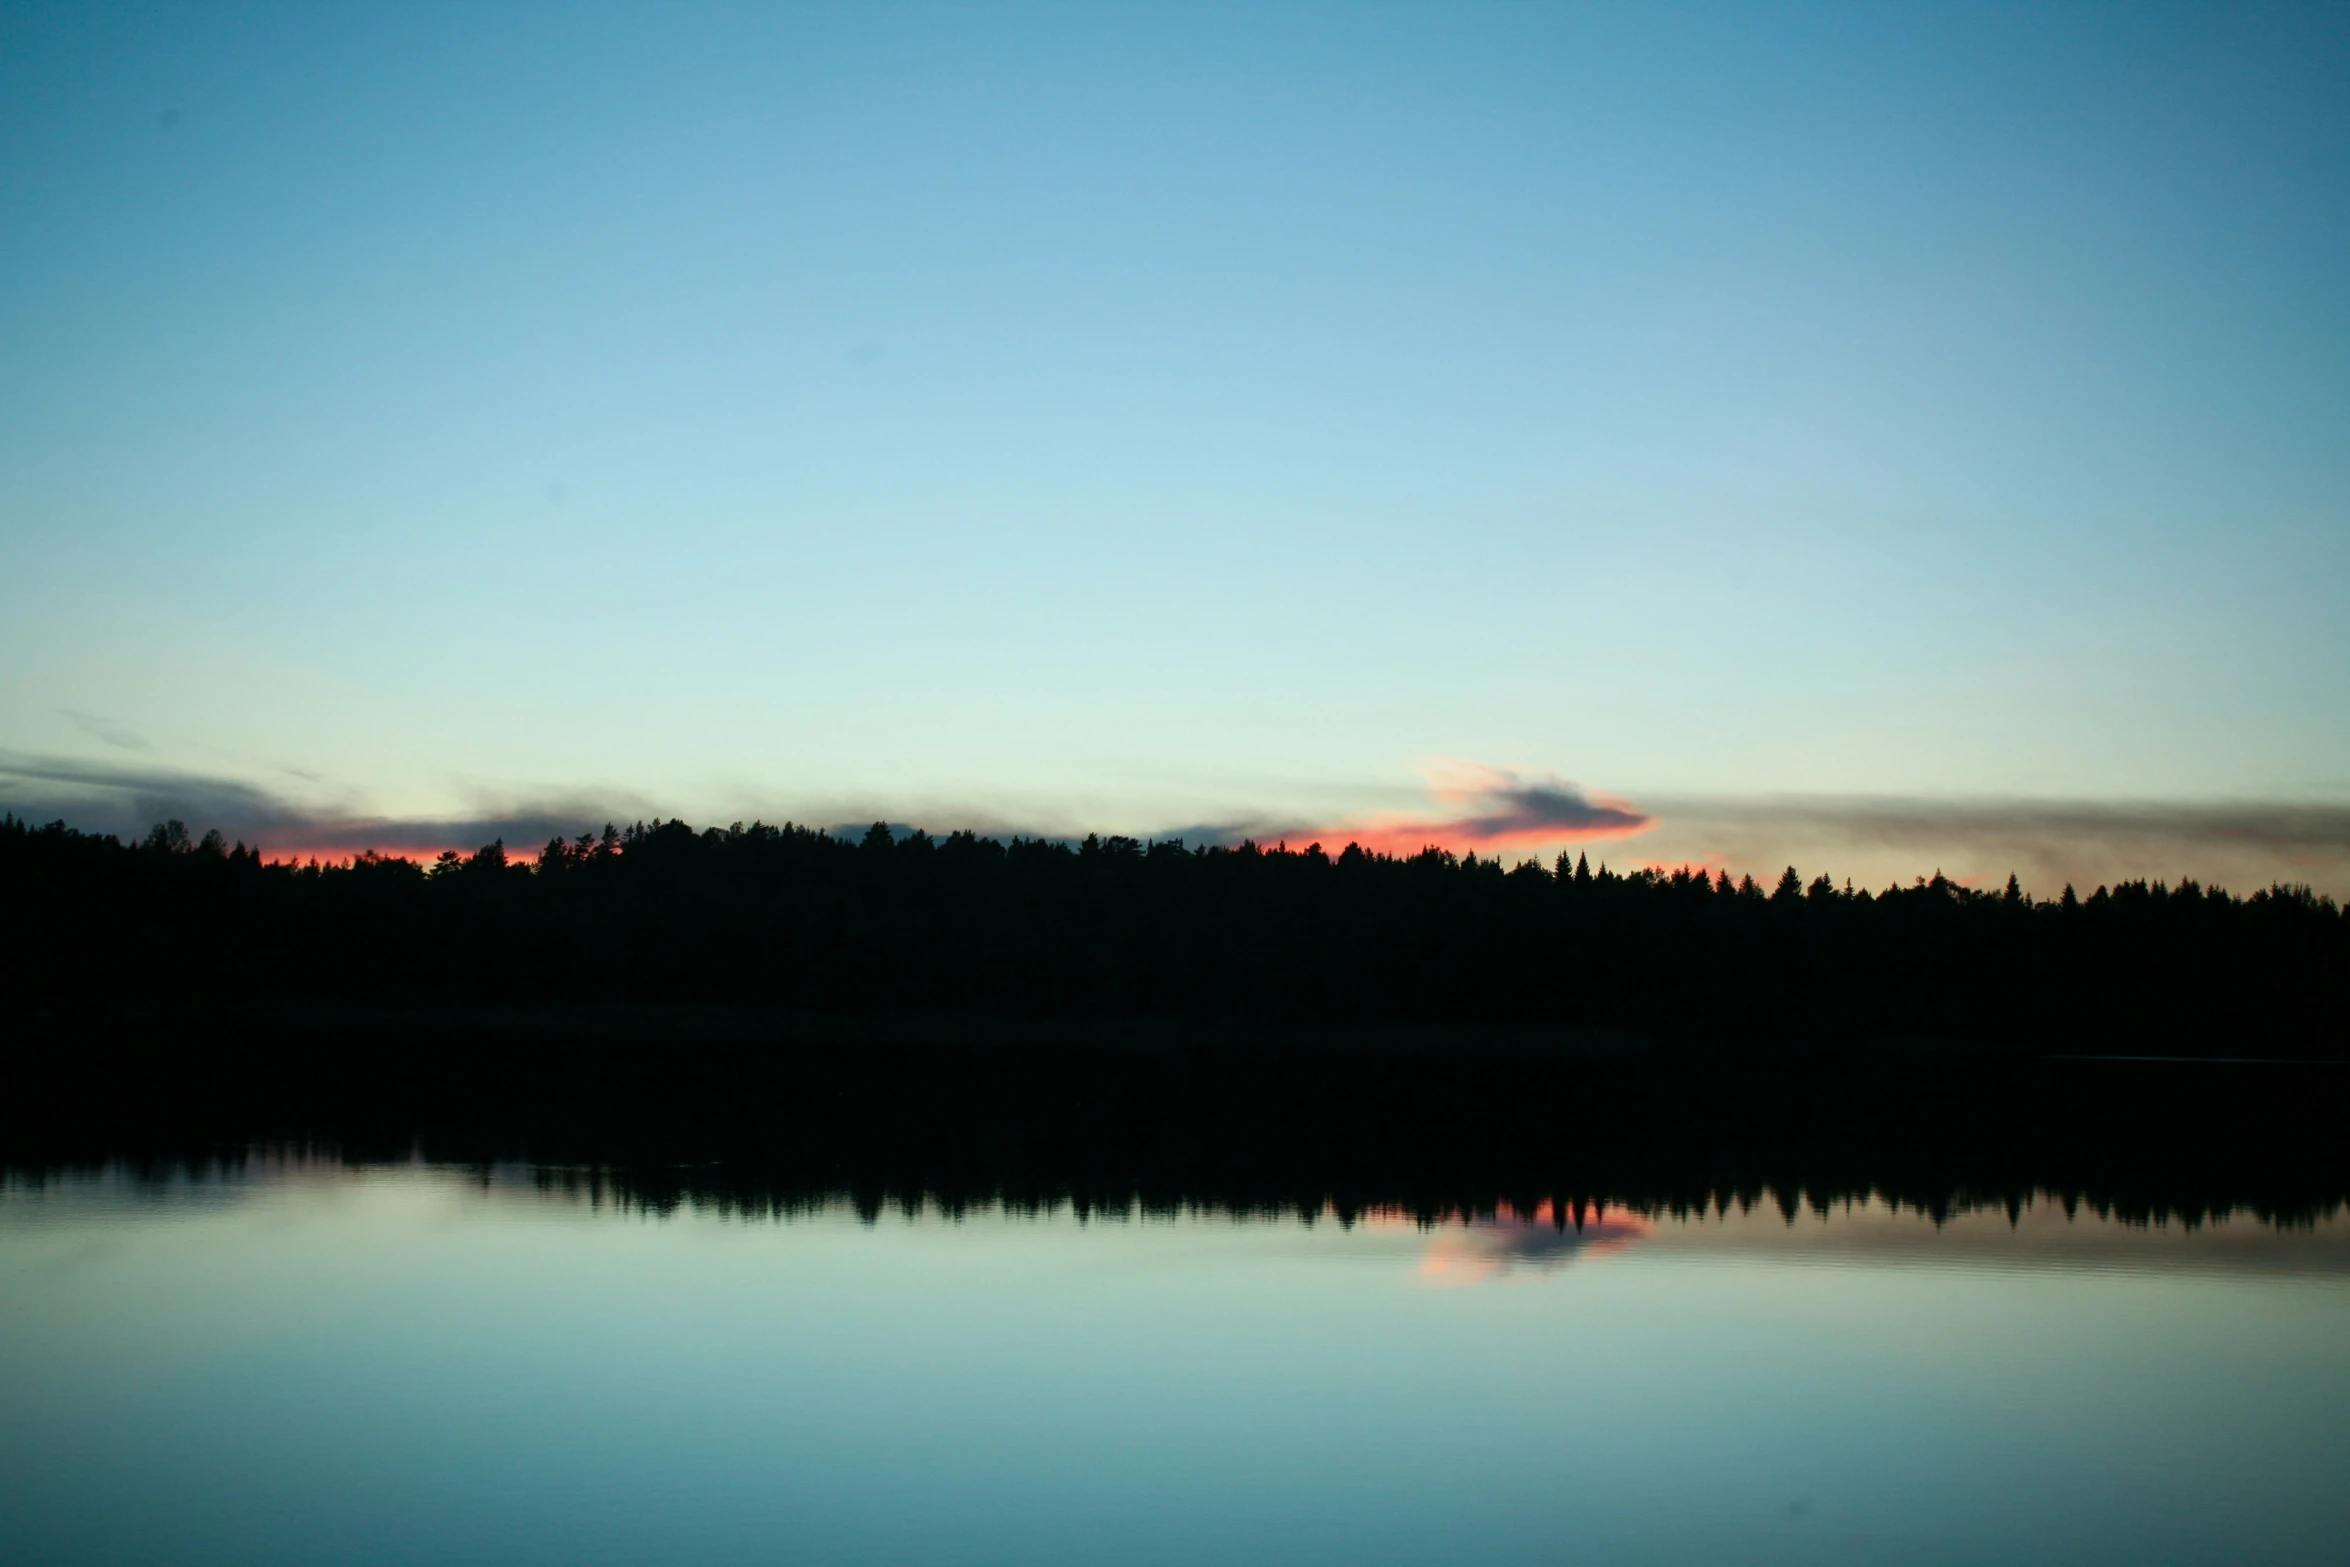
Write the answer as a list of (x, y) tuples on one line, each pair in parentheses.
[(1492, 809)]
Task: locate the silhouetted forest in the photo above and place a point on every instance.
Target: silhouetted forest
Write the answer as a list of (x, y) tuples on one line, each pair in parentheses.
[(965, 927), (770, 1017)]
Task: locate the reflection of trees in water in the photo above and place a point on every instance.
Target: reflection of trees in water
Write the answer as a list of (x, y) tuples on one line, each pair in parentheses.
[(1438, 1125), (1460, 1247), (2187, 1158), (1465, 1243), (1540, 1232)]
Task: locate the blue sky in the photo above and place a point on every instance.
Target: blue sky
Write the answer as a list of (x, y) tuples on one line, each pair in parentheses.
[(1137, 419)]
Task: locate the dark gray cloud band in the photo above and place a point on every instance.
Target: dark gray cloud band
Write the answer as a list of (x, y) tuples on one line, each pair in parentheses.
[(1550, 807), (2047, 843)]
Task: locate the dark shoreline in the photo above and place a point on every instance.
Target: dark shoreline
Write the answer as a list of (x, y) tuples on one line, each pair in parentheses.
[(764, 1110)]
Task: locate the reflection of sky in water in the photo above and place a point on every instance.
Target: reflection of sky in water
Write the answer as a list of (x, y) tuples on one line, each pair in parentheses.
[(411, 1364)]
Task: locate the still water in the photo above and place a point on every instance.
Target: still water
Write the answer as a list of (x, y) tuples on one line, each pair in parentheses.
[(306, 1363)]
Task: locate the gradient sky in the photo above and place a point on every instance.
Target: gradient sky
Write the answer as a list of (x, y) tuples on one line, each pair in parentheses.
[(1138, 419)]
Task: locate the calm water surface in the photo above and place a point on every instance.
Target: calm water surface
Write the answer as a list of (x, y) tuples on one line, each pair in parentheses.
[(304, 1363)]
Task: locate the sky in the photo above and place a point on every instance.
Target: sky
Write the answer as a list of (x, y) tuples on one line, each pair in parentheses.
[(1903, 437)]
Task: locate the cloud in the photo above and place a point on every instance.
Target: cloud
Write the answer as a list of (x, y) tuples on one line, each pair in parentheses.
[(126, 800), (1489, 808), (102, 794), (2046, 843), (1872, 840)]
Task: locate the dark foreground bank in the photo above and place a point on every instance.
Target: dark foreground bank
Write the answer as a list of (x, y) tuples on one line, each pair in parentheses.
[(765, 1111)]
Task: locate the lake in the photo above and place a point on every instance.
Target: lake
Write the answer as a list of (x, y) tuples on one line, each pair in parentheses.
[(293, 1360)]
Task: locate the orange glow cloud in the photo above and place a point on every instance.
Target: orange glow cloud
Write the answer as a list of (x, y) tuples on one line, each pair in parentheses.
[(1493, 809)]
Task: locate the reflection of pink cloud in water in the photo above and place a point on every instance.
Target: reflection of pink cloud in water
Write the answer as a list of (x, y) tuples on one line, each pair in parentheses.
[(1485, 1249)]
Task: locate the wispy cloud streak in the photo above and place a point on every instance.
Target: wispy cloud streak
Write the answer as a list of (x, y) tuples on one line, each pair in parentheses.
[(99, 727)]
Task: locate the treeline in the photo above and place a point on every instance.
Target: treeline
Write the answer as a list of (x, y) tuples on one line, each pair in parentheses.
[(1112, 928)]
